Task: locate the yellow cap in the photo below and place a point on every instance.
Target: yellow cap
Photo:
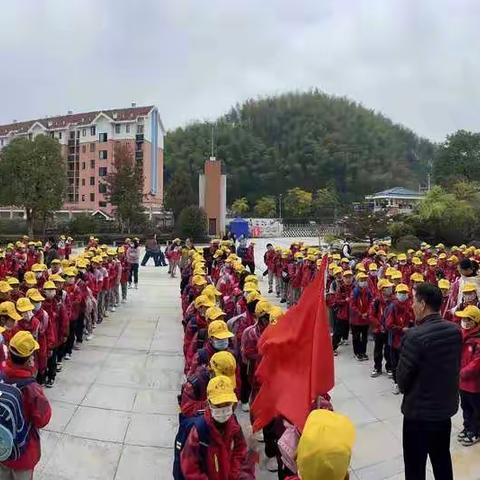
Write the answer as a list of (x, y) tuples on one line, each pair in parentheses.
[(219, 329), (443, 284), (262, 307), (8, 309), (70, 272), (5, 287), (250, 287), (389, 271), (29, 278), (252, 296), (39, 267), (395, 275), (34, 295), (214, 313), (203, 301), (416, 261), (337, 270), (55, 261), (469, 287), (402, 257), (13, 281), (470, 311), (198, 280), (401, 288), (210, 289), (221, 390), (24, 305), (23, 344), (360, 267), (347, 273), (361, 276), (275, 313), (325, 447), (432, 262), (372, 267), (384, 283), (440, 245), (224, 363), (417, 277), (56, 278), (49, 285), (453, 259)]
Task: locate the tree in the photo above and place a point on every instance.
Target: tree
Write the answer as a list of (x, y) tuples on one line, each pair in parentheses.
[(458, 158), (32, 176), (192, 223), (364, 223), (240, 206), (125, 188), (266, 207), (325, 203), (179, 193), (298, 203)]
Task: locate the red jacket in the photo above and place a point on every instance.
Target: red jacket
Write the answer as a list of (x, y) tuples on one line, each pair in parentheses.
[(227, 450), (360, 301), (75, 301), (296, 275), (36, 410), (377, 314), (269, 259), (398, 315), (125, 270), (339, 301), (44, 338), (470, 363), (50, 306)]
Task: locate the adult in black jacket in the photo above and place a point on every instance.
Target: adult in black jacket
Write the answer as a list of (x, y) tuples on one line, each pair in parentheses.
[(428, 375)]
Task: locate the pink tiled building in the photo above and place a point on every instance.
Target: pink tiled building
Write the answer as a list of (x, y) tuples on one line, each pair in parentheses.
[(88, 141)]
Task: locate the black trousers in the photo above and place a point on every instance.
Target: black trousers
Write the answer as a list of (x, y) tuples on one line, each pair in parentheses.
[(52, 364), (245, 388), (80, 327), (71, 338), (359, 339), (148, 256), (250, 265), (270, 438), (341, 329), (381, 351), (470, 403), (394, 358), (422, 439), (133, 273)]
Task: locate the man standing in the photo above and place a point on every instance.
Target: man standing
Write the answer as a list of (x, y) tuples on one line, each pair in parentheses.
[(428, 376), (151, 251)]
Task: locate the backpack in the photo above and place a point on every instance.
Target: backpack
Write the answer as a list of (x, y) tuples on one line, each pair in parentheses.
[(185, 424), (14, 429), (202, 335)]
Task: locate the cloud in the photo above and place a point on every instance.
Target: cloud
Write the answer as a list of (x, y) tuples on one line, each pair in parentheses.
[(416, 62)]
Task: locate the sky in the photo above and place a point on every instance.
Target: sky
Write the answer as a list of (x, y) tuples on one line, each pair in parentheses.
[(417, 62)]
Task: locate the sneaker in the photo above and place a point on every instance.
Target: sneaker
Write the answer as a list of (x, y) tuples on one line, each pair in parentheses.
[(88, 337), (470, 439), (395, 389), (375, 373), (463, 434), (59, 367), (49, 383), (283, 300), (112, 309), (359, 358), (258, 436), (245, 407), (136, 286), (124, 300), (364, 357), (105, 315), (272, 464), (77, 346), (270, 290), (129, 285), (390, 374), (345, 342), (67, 356)]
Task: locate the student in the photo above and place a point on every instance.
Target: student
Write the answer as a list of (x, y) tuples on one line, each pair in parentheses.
[(36, 408), (470, 375), (269, 259), (340, 306), (226, 449), (133, 259), (360, 301)]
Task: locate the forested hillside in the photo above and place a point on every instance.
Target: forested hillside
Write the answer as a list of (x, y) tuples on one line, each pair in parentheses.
[(307, 140)]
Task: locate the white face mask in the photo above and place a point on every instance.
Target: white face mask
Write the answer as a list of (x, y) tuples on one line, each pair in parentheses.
[(220, 344), (362, 284), (221, 415), (402, 297), (36, 306), (27, 316), (38, 275), (50, 293), (387, 291), (469, 297), (467, 324)]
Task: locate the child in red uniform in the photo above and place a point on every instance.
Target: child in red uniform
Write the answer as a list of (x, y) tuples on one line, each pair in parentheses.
[(340, 306), (269, 259)]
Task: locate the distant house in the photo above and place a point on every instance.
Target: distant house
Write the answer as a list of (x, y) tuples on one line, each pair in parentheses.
[(395, 200)]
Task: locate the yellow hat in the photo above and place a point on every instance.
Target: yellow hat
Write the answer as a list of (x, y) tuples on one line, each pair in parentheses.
[(416, 277), (221, 390), (440, 245), (337, 270), (23, 344), (219, 329), (24, 305), (49, 285), (395, 275), (13, 281), (391, 255), (362, 276), (470, 311), (252, 296), (416, 261), (298, 256), (384, 283), (210, 289), (389, 271), (198, 280), (111, 252), (65, 263), (214, 313), (401, 288), (250, 287), (224, 363), (469, 287), (347, 273), (336, 256), (5, 287), (56, 278), (360, 267), (203, 301), (325, 447), (275, 313), (432, 262), (55, 261), (70, 272), (402, 257), (39, 267), (34, 295), (262, 307), (453, 259), (8, 309), (381, 253), (444, 284), (442, 256), (372, 267), (82, 263)]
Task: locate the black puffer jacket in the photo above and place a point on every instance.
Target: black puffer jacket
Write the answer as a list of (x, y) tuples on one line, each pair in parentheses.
[(428, 370)]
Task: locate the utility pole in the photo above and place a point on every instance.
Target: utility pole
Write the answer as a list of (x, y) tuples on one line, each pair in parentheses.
[(280, 206)]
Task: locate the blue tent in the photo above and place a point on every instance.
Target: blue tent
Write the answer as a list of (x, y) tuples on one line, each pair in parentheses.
[(239, 226)]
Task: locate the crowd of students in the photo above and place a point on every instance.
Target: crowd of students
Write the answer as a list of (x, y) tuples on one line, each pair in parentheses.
[(50, 303), (224, 315)]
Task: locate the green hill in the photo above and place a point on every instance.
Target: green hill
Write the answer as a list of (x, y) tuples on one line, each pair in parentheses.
[(308, 140)]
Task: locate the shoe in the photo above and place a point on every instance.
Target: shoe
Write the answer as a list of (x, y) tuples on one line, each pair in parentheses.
[(364, 357), (375, 373), (470, 439), (359, 358), (335, 353), (59, 367), (49, 383), (283, 300), (124, 300), (270, 291), (346, 342), (77, 346), (112, 309), (395, 389), (258, 436), (136, 286), (272, 464), (94, 326), (245, 407), (390, 374), (105, 314), (129, 285), (463, 434), (88, 337), (67, 356)]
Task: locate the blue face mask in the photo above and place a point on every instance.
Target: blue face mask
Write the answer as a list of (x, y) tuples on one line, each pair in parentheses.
[(220, 344), (402, 297)]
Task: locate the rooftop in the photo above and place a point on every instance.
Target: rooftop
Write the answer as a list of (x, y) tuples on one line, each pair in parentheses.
[(397, 192), (64, 121)]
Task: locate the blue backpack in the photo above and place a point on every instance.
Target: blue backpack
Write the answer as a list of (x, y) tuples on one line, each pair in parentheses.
[(184, 427), (14, 429)]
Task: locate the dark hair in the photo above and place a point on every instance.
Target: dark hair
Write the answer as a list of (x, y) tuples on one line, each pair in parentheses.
[(269, 245), (430, 294), (17, 360), (467, 264)]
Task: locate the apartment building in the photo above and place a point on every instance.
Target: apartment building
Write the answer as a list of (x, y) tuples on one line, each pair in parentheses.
[(88, 142)]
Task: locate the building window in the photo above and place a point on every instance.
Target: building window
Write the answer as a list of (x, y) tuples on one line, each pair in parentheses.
[(92, 147), (92, 197), (1, 142), (84, 132), (52, 134), (83, 166), (102, 188), (127, 128), (83, 198), (117, 128), (93, 131), (139, 128), (72, 135), (78, 133), (92, 163), (102, 172), (92, 180), (102, 137), (83, 182), (102, 154), (84, 148), (102, 204)]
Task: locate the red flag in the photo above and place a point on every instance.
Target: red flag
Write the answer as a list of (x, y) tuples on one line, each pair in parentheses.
[(297, 359)]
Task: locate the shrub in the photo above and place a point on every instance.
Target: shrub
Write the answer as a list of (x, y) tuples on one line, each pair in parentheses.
[(192, 223), (406, 242), (400, 229)]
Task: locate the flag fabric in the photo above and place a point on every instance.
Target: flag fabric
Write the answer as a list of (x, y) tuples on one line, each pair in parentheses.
[(297, 359)]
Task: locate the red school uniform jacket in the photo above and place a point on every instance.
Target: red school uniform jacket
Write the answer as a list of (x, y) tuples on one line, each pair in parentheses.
[(359, 304), (340, 301), (50, 306), (269, 259), (470, 363), (377, 314), (398, 315), (44, 338)]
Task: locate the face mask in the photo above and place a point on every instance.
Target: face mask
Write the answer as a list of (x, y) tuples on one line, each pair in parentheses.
[(387, 291), (38, 275), (470, 297), (50, 293), (36, 306), (402, 297), (27, 316), (467, 324), (362, 284), (403, 263), (221, 415), (220, 344), (70, 280), (82, 270), (373, 274)]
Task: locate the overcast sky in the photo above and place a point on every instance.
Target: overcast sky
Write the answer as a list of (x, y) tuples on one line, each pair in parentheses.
[(416, 61)]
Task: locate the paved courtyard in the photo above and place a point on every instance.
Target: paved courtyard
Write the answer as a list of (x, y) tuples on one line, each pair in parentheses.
[(115, 411)]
